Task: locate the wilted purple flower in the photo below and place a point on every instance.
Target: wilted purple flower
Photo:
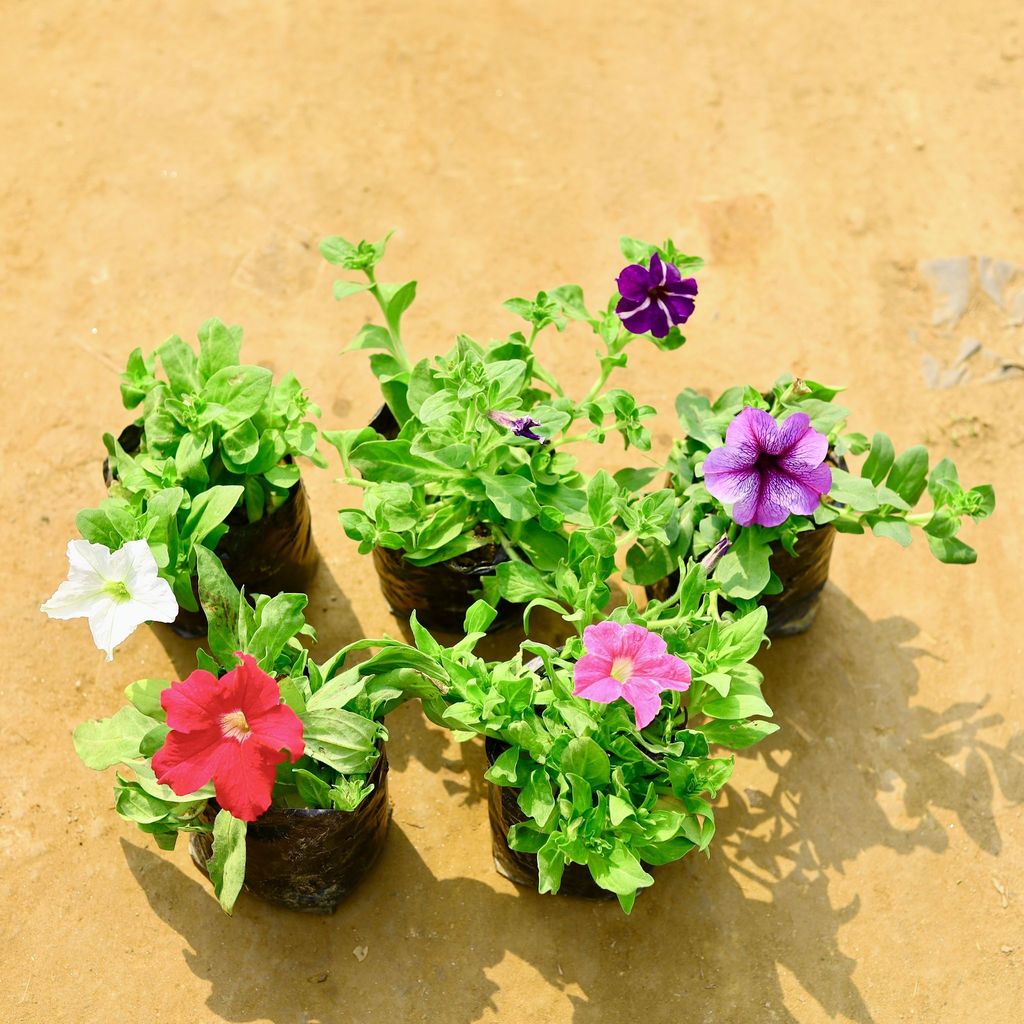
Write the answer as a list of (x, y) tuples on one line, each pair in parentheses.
[(714, 556), (655, 297), (769, 470), (521, 426)]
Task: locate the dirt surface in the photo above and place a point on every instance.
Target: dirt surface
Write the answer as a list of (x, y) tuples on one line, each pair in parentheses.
[(168, 162)]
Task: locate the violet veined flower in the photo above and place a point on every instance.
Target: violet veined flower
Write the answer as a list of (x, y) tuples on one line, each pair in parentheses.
[(233, 731), (629, 662), (715, 555), (654, 298), (115, 590), (769, 470), (521, 426)]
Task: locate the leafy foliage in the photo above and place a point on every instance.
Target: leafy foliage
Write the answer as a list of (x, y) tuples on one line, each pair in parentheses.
[(595, 790), (453, 480), (212, 436), (341, 712), (884, 497)]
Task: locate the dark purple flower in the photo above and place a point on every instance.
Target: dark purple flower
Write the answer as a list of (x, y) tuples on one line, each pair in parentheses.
[(714, 556), (654, 298), (521, 426), (768, 470)]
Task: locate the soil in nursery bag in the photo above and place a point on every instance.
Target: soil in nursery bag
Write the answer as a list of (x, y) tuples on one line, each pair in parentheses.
[(521, 868), (803, 578), (273, 555), (309, 858), (440, 594)]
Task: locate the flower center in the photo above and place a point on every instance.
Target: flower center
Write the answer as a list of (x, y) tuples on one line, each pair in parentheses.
[(234, 726), (118, 590), (622, 669)]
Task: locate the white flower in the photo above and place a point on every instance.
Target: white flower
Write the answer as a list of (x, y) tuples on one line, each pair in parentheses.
[(116, 590)]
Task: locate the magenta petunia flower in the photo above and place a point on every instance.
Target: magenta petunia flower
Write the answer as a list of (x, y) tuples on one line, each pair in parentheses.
[(768, 470), (521, 426), (628, 662), (654, 298), (233, 731)]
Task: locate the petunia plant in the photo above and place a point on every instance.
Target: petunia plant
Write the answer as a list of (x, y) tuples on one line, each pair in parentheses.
[(257, 724), (214, 446), (762, 469), (480, 447), (616, 744)]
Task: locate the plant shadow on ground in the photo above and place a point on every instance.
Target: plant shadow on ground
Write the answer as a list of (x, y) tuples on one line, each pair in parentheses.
[(854, 753)]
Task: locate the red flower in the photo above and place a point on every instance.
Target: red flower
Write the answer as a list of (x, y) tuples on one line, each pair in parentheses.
[(233, 730)]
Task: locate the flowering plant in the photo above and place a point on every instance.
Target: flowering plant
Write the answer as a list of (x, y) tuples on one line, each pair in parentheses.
[(256, 724), (480, 451), (214, 439), (764, 468), (610, 742)]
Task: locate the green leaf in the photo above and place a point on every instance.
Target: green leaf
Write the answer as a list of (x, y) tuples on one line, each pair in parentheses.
[(503, 771), (114, 740), (342, 740), (634, 479), (636, 251), (343, 289), (241, 443), (602, 498), (145, 695), (619, 871), (397, 299), (981, 501), (336, 249), (312, 789), (740, 705), (740, 640), (880, 459), (371, 336), (743, 571), (895, 529), (737, 735), (209, 510), (234, 394), (520, 583), (513, 496), (909, 474), (227, 865), (220, 599), (391, 461), (856, 491), (585, 758), (280, 619), (282, 476), (219, 347), (550, 865), (952, 551), (479, 617), (536, 798), (180, 365)]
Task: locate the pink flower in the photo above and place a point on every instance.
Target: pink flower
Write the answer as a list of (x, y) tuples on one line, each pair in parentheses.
[(629, 662), (233, 730), (768, 470)]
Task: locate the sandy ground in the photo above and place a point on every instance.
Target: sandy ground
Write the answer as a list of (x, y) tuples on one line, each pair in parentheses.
[(167, 162)]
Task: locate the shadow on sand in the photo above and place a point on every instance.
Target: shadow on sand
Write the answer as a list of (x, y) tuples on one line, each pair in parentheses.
[(857, 765)]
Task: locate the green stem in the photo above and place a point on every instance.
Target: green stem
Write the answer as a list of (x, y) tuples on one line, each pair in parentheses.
[(506, 544), (355, 481), (398, 349)]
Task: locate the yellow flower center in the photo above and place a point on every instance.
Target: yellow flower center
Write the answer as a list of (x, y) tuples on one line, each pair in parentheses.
[(234, 726), (622, 669)]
